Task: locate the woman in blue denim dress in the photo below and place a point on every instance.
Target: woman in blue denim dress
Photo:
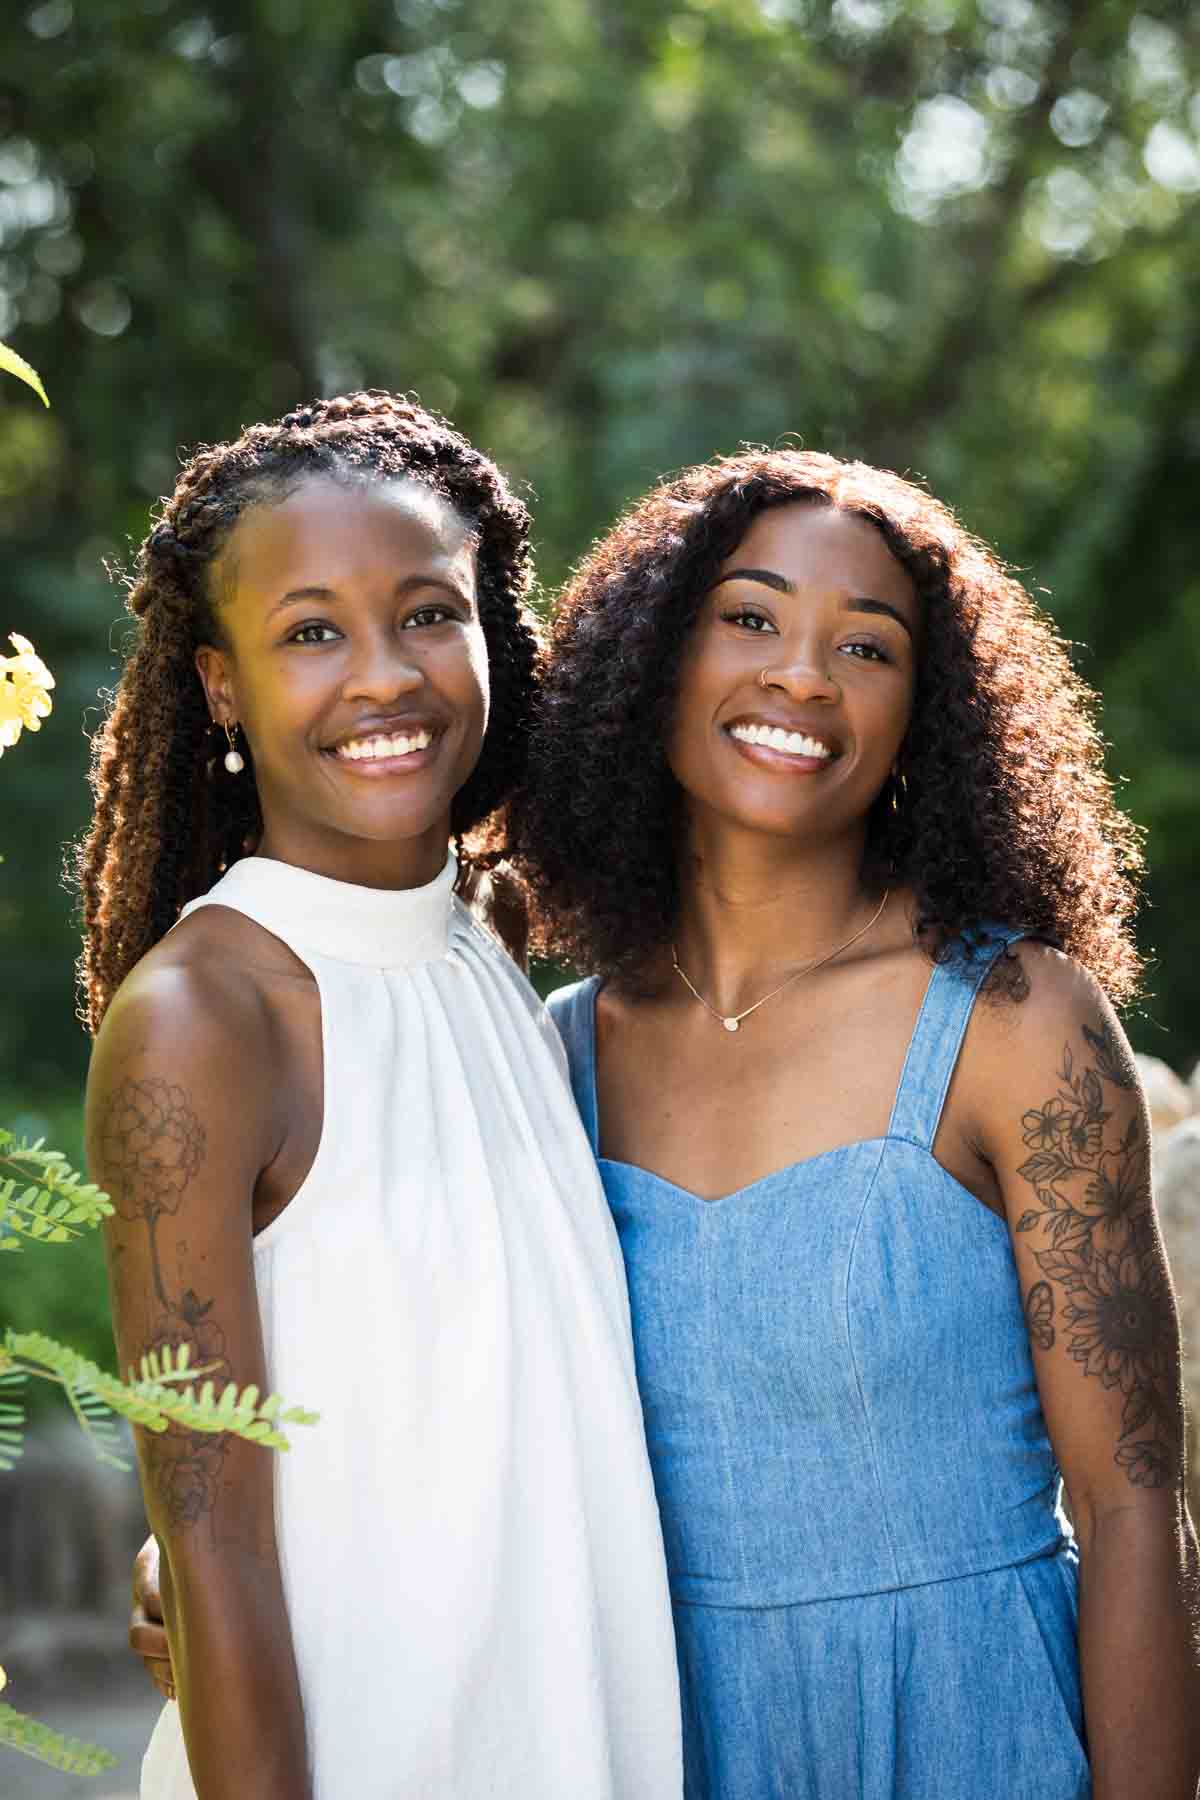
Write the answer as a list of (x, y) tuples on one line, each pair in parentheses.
[(818, 804)]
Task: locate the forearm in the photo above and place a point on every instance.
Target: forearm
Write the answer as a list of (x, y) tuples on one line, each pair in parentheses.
[(1138, 1657), (236, 1677)]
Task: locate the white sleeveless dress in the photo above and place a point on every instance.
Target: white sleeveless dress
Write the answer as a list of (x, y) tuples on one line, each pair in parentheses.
[(470, 1545)]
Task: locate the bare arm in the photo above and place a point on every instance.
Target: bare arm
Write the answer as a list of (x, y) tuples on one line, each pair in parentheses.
[(179, 1124), (1068, 1135)]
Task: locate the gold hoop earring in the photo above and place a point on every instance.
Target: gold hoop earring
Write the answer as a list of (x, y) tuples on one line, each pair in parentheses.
[(235, 762)]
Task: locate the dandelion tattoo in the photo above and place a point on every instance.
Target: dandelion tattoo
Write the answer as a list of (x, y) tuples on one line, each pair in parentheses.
[(153, 1146), (1096, 1226)]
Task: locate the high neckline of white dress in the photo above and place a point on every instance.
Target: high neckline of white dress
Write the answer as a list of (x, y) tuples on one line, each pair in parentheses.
[(377, 927)]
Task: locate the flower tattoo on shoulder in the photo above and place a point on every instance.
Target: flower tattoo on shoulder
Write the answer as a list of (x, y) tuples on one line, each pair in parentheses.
[(1099, 1253)]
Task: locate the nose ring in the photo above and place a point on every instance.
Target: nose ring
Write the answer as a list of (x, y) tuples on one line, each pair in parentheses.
[(762, 678)]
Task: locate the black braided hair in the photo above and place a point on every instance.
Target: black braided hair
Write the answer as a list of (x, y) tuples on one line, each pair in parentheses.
[(167, 819)]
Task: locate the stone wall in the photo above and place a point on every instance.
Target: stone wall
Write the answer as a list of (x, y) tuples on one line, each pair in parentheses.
[(1175, 1121)]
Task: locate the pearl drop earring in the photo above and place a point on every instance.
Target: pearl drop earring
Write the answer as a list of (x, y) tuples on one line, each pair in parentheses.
[(235, 762)]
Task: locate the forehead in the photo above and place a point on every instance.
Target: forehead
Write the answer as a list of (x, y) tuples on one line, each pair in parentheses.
[(820, 546), (324, 526)]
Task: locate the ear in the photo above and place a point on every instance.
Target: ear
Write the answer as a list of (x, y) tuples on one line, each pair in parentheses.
[(216, 678)]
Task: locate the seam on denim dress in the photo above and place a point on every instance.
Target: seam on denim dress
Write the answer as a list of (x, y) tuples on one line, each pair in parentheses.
[(868, 1424)]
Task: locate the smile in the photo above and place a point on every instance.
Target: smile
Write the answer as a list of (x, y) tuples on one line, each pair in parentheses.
[(790, 743), (381, 748)]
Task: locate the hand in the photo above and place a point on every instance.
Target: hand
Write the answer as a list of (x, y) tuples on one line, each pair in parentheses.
[(147, 1633)]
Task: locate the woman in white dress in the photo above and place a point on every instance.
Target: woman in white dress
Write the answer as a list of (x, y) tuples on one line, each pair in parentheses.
[(344, 1157)]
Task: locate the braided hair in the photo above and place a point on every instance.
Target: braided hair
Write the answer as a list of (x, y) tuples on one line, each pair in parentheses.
[(164, 824)]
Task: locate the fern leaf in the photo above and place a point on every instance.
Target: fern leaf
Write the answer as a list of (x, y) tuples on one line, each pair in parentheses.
[(42, 1198), (12, 1417), (299, 1415), (95, 1420), (154, 1402), (31, 1738)]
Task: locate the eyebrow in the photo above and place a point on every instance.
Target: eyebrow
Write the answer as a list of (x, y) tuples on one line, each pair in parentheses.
[(857, 603), (326, 595)]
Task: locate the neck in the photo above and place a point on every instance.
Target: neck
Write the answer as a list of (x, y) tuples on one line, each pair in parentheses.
[(754, 909), (392, 864)]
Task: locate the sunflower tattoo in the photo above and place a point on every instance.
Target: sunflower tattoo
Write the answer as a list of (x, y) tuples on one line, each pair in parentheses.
[(1100, 1255)]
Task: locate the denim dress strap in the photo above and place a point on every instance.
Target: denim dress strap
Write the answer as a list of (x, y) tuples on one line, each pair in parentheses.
[(573, 1010), (938, 1034)]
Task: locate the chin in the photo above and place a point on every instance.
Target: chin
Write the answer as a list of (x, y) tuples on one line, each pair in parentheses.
[(396, 827)]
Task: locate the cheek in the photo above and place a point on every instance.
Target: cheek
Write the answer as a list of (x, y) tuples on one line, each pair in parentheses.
[(884, 708)]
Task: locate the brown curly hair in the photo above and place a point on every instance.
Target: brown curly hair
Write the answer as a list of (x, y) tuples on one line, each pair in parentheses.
[(163, 827), (1007, 815)]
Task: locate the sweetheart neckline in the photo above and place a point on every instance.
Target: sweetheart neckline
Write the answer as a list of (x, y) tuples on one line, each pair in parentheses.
[(805, 1162)]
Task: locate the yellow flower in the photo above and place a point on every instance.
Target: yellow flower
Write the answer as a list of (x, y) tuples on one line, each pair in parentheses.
[(25, 684)]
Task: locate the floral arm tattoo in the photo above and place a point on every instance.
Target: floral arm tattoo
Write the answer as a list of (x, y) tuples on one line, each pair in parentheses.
[(153, 1146), (1104, 1292)]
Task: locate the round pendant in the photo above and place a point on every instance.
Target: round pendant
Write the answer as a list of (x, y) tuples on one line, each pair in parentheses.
[(730, 1024)]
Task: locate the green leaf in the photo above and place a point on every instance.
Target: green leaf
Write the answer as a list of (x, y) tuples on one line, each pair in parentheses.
[(31, 1738), (53, 1205), (152, 1403), (297, 1415), (12, 364)]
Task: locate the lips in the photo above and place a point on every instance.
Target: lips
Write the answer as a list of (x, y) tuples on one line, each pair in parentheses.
[(381, 745), (386, 740), (784, 739)]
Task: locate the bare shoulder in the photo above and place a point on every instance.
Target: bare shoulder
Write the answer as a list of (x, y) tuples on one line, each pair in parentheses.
[(1045, 1045), (197, 1010), (626, 1011), (1036, 1000)]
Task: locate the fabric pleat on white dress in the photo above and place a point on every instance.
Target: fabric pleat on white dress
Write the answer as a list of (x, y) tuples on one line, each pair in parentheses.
[(471, 1550)]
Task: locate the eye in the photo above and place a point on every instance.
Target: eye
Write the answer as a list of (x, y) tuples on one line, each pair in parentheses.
[(866, 651), (430, 615), (315, 632), (748, 619)]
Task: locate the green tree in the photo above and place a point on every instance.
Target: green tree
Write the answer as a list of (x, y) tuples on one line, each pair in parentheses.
[(960, 237)]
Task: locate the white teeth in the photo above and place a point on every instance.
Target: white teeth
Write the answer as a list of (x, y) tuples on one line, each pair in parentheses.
[(792, 743), (373, 749)]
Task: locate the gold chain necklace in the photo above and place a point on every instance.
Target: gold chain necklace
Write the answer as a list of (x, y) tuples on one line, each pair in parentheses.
[(733, 1021)]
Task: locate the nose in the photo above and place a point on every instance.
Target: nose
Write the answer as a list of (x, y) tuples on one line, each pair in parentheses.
[(801, 676), (382, 669)]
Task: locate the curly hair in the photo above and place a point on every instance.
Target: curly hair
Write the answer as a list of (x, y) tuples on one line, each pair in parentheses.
[(164, 826), (1007, 814)]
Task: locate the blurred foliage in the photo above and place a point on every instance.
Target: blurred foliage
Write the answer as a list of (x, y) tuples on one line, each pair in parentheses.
[(65, 1295), (958, 238)]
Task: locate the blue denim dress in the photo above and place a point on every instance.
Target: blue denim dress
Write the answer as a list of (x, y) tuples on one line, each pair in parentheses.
[(874, 1587)]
